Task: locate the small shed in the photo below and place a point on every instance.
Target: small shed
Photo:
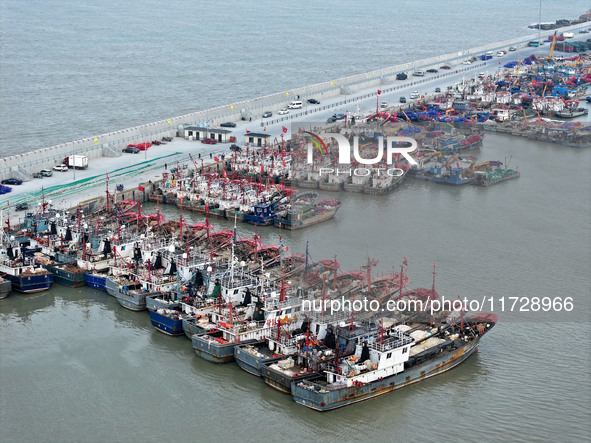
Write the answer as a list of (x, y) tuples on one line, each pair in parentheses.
[(197, 133), (256, 138), (221, 135)]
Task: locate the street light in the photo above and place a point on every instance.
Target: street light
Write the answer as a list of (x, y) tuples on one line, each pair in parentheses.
[(540, 25)]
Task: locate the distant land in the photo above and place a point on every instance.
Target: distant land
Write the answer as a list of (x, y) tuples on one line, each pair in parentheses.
[(562, 22)]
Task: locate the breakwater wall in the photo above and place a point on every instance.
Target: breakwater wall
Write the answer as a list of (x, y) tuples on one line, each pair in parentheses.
[(110, 144)]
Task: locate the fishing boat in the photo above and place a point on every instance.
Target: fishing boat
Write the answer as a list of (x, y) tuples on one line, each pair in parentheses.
[(264, 213), (252, 357), (66, 274), (24, 274), (302, 217), (488, 178), (380, 185), (97, 279), (453, 176), (392, 362), (572, 112), (5, 287), (133, 296), (165, 313), (26, 277)]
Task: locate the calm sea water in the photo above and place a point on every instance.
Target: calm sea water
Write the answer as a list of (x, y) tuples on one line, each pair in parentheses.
[(75, 366)]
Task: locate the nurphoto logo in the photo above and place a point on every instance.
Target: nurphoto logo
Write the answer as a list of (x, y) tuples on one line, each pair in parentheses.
[(395, 145)]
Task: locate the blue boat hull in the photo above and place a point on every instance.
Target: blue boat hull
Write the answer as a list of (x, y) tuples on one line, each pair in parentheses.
[(166, 324), (29, 284), (259, 220), (327, 399), (96, 282)]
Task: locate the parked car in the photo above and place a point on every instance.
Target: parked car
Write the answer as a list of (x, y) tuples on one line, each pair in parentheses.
[(131, 150), (340, 116), (437, 89), (500, 53), (283, 111), (313, 101), (481, 75), (156, 142), (46, 172), (166, 139), (402, 99), (12, 181), (209, 141), (401, 76), (331, 119), (512, 48), (384, 104), (228, 125), (62, 168), (235, 148), (419, 73), (22, 206), (267, 114), (467, 62), (445, 67), (414, 94), (432, 70)]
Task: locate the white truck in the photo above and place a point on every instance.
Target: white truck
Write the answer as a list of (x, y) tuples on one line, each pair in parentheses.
[(76, 161)]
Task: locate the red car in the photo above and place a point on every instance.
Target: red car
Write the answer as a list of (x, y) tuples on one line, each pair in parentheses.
[(141, 146), (209, 141)]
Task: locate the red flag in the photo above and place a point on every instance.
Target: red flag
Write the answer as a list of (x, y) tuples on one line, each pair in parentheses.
[(264, 129), (140, 188), (283, 162), (216, 159), (379, 92), (262, 169), (404, 262), (206, 208), (284, 129), (225, 174), (107, 176), (247, 131)]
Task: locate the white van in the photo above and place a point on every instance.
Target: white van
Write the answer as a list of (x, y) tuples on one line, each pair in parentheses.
[(490, 54), (419, 73), (295, 105)]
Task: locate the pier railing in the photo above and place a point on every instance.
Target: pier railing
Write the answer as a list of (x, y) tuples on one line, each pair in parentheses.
[(111, 143)]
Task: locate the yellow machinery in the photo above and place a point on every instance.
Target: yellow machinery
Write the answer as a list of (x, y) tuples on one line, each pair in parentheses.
[(552, 47), (449, 162)]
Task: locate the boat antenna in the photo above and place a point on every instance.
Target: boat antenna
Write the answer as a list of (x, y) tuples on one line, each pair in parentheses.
[(233, 256)]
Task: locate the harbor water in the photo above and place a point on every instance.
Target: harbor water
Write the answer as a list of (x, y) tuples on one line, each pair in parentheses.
[(75, 366)]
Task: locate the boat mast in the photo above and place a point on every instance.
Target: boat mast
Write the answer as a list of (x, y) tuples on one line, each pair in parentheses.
[(107, 184)]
